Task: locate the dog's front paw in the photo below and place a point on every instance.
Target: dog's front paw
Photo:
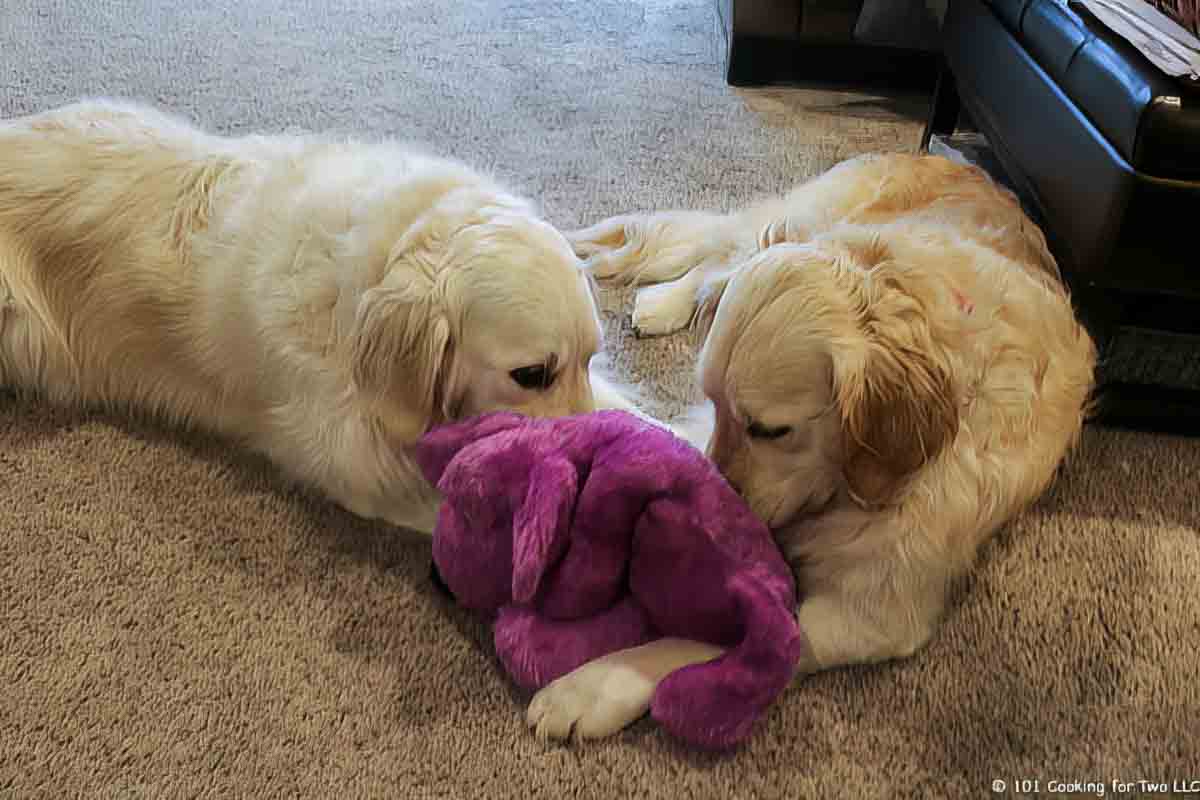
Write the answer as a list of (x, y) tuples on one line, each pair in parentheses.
[(596, 700), (605, 248), (621, 265), (605, 235), (662, 309)]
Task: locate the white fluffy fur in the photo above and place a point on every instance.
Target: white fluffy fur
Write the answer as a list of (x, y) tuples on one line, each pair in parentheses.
[(323, 301), (895, 371)]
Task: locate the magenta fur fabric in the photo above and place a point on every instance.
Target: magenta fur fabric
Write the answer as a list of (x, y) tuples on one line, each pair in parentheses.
[(589, 534)]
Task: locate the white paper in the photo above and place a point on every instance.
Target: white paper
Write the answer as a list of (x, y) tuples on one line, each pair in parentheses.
[(1170, 46)]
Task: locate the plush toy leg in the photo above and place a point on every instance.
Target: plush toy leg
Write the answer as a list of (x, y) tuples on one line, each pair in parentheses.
[(535, 650), (715, 704)]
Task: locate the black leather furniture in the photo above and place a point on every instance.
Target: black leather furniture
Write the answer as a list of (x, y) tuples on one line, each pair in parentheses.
[(784, 41), (1106, 150)]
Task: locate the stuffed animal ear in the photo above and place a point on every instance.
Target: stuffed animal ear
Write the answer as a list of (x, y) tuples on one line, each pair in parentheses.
[(541, 525), (435, 450)]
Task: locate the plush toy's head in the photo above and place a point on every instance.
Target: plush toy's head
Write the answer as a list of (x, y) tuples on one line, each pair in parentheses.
[(589, 534), (507, 499)]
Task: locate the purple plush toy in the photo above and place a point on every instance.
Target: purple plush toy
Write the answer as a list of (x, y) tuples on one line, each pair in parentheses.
[(589, 534)]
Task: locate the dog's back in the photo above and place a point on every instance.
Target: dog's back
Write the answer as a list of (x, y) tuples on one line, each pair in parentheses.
[(97, 204), (885, 188)]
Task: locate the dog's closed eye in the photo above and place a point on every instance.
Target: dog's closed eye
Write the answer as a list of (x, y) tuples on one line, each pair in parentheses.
[(535, 377), (759, 431)]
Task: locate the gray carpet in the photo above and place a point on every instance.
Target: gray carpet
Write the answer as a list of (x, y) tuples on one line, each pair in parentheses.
[(178, 623)]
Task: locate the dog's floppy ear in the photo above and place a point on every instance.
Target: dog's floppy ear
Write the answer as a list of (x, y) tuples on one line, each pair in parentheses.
[(400, 343), (896, 401), (898, 413)]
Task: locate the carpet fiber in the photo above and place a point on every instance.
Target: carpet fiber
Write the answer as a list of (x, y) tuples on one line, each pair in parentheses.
[(176, 622)]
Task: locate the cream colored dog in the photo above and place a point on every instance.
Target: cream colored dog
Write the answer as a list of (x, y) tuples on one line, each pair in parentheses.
[(324, 302), (895, 371)]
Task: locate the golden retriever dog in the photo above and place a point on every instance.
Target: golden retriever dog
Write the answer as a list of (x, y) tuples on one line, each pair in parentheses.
[(324, 302), (894, 370)]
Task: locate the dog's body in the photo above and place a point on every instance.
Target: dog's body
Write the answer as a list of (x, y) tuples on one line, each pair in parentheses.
[(325, 302), (895, 371)]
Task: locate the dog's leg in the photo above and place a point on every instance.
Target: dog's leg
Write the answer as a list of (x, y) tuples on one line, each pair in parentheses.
[(603, 236), (403, 498), (415, 512), (33, 354), (603, 696), (15, 342), (671, 307), (868, 623), (410, 505), (667, 307), (641, 249), (349, 460), (842, 632)]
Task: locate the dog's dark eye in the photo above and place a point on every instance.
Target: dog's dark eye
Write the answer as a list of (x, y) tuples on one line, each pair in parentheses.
[(759, 431), (537, 376)]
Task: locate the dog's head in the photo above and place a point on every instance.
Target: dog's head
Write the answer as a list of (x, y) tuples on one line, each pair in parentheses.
[(824, 377), (481, 306)]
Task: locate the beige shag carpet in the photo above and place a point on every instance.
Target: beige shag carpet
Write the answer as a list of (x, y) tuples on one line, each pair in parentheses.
[(175, 622)]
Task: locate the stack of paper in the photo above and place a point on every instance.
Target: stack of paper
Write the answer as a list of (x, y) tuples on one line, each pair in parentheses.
[(1170, 46)]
